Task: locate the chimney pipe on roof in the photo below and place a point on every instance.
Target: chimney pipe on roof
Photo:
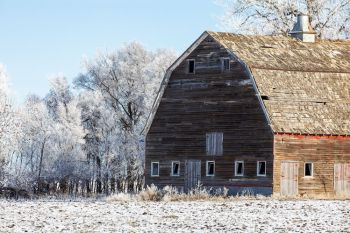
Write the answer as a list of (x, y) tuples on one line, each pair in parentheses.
[(302, 29)]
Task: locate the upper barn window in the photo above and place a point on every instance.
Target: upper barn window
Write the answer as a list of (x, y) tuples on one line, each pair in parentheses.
[(225, 64), (214, 143), (191, 66)]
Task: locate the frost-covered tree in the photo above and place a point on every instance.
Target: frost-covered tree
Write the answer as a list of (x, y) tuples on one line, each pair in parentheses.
[(49, 151), (124, 78), (101, 140), (91, 142), (329, 18), (33, 154), (7, 123), (60, 95), (5, 107), (66, 148), (126, 82)]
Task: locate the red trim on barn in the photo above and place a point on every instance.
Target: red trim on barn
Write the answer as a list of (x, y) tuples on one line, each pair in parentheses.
[(314, 136)]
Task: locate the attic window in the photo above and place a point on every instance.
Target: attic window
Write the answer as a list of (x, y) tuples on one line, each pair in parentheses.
[(225, 64), (264, 97), (191, 66)]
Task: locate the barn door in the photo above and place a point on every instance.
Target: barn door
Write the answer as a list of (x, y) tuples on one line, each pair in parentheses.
[(192, 174), (342, 179), (289, 178)]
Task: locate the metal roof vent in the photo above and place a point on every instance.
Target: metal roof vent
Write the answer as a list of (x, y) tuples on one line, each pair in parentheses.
[(302, 29)]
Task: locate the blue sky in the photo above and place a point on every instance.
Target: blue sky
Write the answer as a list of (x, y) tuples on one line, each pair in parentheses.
[(39, 38)]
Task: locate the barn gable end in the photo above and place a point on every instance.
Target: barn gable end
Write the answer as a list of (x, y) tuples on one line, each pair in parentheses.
[(210, 101)]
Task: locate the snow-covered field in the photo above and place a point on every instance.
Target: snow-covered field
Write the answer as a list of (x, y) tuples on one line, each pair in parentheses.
[(201, 216)]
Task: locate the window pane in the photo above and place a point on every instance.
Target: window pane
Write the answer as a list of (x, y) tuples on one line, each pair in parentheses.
[(155, 169), (226, 64), (308, 169), (176, 167), (261, 168), (210, 168), (239, 168), (191, 66)]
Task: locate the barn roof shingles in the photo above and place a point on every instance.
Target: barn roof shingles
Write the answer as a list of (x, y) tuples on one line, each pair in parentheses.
[(306, 85)]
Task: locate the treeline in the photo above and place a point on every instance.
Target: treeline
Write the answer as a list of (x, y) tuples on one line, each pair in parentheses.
[(85, 138)]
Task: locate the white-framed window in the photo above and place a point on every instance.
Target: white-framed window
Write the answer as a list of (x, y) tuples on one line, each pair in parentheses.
[(191, 66), (261, 168), (210, 168), (214, 142), (239, 168), (175, 168), (225, 64), (308, 169), (154, 168)]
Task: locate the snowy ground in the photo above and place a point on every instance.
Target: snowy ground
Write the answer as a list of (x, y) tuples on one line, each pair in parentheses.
[(201, 216)]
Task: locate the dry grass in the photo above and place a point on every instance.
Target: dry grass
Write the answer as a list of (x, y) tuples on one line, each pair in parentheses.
[(169, 194), (151, 193), (119, 197)]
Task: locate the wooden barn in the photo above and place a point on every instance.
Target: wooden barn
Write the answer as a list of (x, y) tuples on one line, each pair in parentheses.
[(265, 114)]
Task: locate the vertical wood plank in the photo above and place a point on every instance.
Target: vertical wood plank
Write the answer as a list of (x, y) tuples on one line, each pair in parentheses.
[(289, 178), (192, 174)]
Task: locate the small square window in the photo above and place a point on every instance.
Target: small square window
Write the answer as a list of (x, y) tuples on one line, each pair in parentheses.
[(225, 64), (155, 169), (308, 169), (210, 168), (191, 66), (239, 168), (261, 168), (175, 168)]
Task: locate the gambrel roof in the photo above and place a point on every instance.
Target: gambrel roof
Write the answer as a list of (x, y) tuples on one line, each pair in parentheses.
[(304, 87)]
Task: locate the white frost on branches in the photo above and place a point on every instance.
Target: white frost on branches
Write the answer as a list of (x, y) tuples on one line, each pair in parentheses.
[(4, 89), (329, 18), (125, 83), (8, 124), (90, 142)]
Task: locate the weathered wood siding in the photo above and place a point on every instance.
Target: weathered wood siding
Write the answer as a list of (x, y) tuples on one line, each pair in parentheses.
[(210, 101), (342, 179), (323, 151)]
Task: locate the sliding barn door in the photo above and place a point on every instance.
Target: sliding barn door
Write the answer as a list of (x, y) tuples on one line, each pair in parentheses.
[(192, 174), (289, 178), (342, 179)]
